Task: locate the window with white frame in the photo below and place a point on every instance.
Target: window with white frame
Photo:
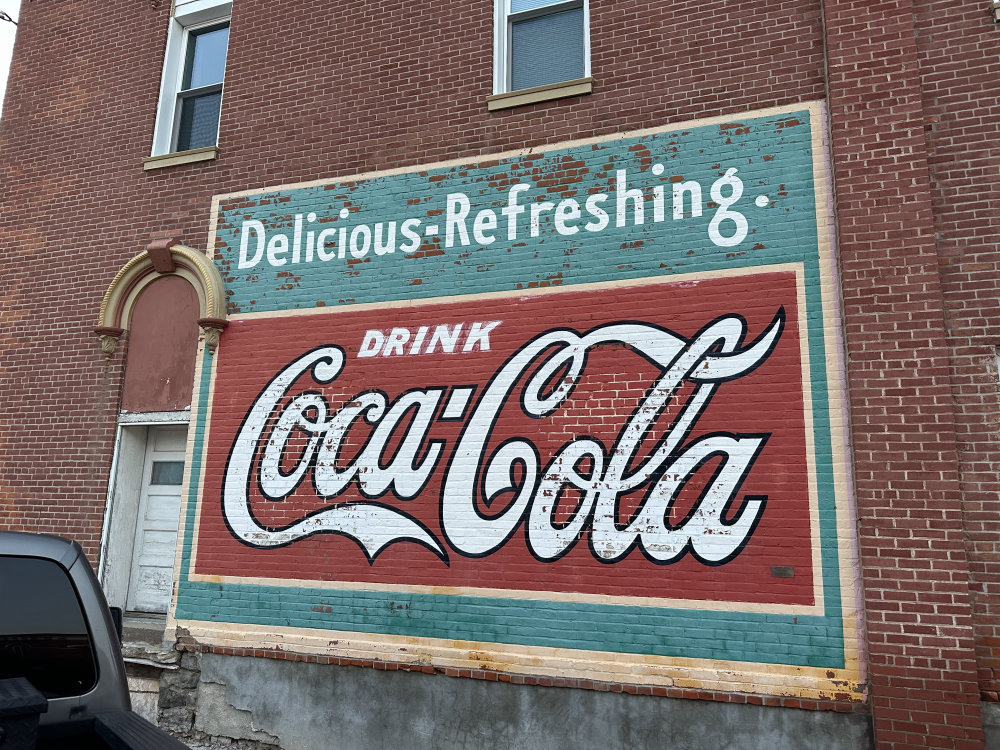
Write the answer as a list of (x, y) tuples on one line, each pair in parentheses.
[(540, 42), (193, 69)]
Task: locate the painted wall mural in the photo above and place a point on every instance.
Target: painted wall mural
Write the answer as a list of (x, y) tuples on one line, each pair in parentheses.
[(575, 412)]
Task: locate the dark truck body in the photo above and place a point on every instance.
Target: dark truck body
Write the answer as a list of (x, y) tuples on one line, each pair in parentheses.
[(62, 678)]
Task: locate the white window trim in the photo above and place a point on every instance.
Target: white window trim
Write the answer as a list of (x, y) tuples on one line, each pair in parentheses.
[(189, 16), (501, 45)]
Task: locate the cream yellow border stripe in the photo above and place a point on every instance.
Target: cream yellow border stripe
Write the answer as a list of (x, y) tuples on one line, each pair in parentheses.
[(805, 610), (541, 661), (837, 397)]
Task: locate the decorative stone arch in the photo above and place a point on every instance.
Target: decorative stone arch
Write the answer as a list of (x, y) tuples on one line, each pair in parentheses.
[(162, 257)]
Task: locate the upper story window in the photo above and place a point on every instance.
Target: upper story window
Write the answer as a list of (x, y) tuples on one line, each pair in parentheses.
[(193, 69), (540, 43), (199, 98)]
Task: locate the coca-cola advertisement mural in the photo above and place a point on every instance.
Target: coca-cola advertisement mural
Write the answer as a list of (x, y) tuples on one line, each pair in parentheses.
[(579, 401)]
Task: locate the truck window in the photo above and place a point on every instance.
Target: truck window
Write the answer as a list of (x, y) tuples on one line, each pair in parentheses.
[(43, 633)]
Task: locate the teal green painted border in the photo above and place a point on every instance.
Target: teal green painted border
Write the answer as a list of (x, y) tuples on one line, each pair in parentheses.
[(698, 634), (195, 467)]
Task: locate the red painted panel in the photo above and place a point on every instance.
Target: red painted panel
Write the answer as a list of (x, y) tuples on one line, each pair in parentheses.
[(614, 388)]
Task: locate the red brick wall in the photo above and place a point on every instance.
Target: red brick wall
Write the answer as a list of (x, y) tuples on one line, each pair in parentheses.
[(913, 551), (959, 52), (317, 90)]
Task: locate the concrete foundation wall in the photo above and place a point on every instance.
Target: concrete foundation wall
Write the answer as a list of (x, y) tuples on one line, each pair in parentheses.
[(312, 706), (991, 725)]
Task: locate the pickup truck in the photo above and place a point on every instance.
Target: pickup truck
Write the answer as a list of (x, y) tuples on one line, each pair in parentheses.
[(62, 678)]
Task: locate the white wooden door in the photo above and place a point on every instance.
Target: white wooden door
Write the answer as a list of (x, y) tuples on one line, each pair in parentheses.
[(152, 572)]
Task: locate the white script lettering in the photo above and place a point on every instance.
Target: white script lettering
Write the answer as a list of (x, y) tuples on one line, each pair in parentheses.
[(549, 368)]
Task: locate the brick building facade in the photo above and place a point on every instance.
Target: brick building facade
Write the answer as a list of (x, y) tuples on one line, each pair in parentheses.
[(656, 400)]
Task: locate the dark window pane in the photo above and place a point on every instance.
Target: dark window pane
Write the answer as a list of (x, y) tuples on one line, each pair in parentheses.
[(43, 634), (199, 124), (167, 472), (547, 49), (206, 57)]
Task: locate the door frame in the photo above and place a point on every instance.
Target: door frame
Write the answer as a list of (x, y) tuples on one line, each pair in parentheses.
[(121, 507)]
